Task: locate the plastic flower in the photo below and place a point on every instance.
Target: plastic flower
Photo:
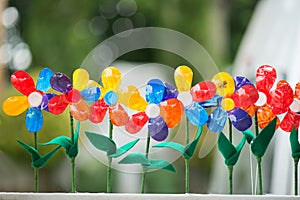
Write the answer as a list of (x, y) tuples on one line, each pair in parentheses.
[(234, 95), (161, 109), (191, 97), (271, 102), (74, 94), (111, 79), (34, 99), (292, 117)]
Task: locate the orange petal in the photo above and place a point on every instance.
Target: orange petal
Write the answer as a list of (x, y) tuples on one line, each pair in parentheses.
[(265, 116), (15, 105), (80, 110), (171, 111), (118, 116), (130, 97)]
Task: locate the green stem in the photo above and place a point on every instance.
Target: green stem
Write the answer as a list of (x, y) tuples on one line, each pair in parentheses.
[(187, 164), (296, 161), (230, 172), (36, 170), (144, 170), (230, 130), (72, 159), (256, 123), (259, 175), (108, 179)]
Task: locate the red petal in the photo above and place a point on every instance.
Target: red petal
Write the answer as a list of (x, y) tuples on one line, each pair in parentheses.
[(265, 78), (171, 111), (23, 82), (203, 91), (73, 96), (136, 122), (58, 104), (118, 116), (246, 96), (289, 121), (98, 111)]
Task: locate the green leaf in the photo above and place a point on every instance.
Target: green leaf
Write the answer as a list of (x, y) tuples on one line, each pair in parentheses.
[(60, 140), (102, 142), (249, 136), (261, 142), (234, 158), (135, 158), (160, 164), (31, 150), (123, 149), (190, 148), (172, 145), (73, 151), (295, 146), (42, 161)]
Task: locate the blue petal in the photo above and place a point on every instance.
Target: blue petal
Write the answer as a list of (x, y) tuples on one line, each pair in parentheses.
[(240, 119), (34, 120), (170, 92), (213, 102), (196, 114), (240, 81), (111, 98), (46, 98), (158, 128), (43, 83), (217, 120), (91, 94), (154, 91)]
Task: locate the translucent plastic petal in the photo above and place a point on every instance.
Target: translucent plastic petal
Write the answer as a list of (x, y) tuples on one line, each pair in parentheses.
[(213, 102), (136, 122), (73, 96), (240, 119), (240, 81), (203, 91), (45, 101), (118, 116), (289, 121), (61, 82), (43, 83), (250, 110), (297, 91), (158, 128), (171, 111), (224, 83), (196, 114), (130, 97), (92, 83), (58, 104), (111, 78), (23, 82), (170, 91), (80, 79), (90, 94), (15, 105), (111, 98), (80, 111), (265, 78), (154, 91), (217, 120), (98, 111), (265, 116), (246, 96), (34, 120), (183, 78), (281, 98)]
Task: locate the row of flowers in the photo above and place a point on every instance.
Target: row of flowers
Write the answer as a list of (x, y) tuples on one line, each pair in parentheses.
[(233, 98)]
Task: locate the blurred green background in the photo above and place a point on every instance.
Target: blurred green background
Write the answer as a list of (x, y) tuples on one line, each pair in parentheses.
[(60, 34)]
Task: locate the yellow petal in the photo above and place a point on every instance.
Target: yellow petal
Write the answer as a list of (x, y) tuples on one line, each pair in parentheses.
[(183, 78), (224, 83), (130, 97), (111, 78), (80, 79), (15, 105)]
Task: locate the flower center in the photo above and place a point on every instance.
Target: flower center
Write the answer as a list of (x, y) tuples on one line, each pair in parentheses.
[(152, 110), (35, 99), (227, 104), (185, 98), (111, 98), (262, 99)]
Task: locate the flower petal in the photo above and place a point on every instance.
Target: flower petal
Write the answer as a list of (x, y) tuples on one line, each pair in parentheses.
[(61, 82), (240, 119), (158, 128), (15, 105), (203, 91), (43, 83), (130, 97), (80, 79), (136, 122), (45, 101), (297, 91), (118, 116), (80, 110), (196, 114), (23, 82), (217, 120), (171, 111), (240, 81), (265, 116), (58, 104), (224, 83), (111, 78), (183, 78), (246, 96), (213, 102), (170, 91), (98, 111), (34, 120), (289, 121), (90, 94), (154, 91), (265, 78)]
